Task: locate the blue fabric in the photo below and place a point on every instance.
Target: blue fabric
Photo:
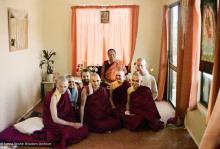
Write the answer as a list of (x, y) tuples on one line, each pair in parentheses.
[(73, 94)]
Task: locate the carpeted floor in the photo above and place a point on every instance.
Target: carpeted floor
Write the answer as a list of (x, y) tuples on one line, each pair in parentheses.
[(145, 139)]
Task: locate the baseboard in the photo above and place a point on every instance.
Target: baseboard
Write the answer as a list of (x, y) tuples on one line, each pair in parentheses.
[(194, 139), (28, 111)]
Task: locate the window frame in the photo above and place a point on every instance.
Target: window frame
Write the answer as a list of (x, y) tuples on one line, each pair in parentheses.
[(171, 66)]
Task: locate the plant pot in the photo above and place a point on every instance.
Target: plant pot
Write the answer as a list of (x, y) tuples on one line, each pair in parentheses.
[(43, 76), (50, 77)]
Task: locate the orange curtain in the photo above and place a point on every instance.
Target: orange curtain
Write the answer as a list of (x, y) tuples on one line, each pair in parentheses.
[(196, 40), (73, 41), (188, 62), (210, 139), (163, 56), (135, 14), (91, 39), (216, 69)]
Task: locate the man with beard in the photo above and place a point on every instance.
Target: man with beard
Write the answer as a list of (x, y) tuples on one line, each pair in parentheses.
[(96, 110), (85, 77)]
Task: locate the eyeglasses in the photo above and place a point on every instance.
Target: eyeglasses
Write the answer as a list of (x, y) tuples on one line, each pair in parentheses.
[(137, 81), (71, 81)]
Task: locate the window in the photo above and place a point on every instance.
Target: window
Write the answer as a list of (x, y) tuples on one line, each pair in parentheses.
[(173, 47), (95, 29)]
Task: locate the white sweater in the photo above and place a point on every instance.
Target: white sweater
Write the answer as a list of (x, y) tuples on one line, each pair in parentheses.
[(149, 81)]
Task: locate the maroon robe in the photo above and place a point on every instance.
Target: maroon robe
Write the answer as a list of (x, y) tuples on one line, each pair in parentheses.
[(60, 135), (119, 97), (145, 110), (98, 113)]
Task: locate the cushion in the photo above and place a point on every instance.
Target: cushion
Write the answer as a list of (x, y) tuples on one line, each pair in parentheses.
[(30, 125)]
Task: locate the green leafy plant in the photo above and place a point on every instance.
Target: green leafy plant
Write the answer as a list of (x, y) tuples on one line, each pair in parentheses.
[(47, 60)]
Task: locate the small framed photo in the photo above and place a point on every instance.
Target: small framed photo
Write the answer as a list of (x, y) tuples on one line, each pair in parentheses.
[(205, 88), (18, 29), (104, 16)]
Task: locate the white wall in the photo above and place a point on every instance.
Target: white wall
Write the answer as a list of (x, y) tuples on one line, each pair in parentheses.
[(195, 120), (195, 123), (20, 74), (57, 28)]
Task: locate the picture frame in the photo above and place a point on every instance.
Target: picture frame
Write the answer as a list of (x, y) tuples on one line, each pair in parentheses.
[(208, 34), (205, 88), (105, 16), (18, 29)]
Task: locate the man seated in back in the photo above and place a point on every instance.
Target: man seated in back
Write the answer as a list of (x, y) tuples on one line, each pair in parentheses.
[(60, 127), (118, 92), (141, 109), (147, 79), (110, 67), (96, 110), (73, 91), (85, 77)]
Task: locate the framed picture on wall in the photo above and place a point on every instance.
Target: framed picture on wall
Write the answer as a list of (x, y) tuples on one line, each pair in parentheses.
[(208, 34), (104, 16), (18, 29)]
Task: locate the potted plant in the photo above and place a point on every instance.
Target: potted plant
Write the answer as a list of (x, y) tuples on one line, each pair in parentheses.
[(46, 59)]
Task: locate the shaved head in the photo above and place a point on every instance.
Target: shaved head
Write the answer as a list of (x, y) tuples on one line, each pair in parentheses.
[(62, 84), (95, 81)]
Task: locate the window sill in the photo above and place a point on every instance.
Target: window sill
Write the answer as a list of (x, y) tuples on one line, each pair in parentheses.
[(202, 108)]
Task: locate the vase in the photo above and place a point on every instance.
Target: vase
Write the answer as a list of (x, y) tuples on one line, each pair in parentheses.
[(50, 78), (43, 76)]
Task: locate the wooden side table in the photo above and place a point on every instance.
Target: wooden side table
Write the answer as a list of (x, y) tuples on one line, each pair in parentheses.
[(45, 87)]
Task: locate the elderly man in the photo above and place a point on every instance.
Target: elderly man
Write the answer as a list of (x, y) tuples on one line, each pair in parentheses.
[(141, 109), (96, 110)]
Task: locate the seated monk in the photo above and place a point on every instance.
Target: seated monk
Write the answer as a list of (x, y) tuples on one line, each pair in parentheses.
[(96, 110), (58, 118), (110, 67), (118, 92), (141, 109)]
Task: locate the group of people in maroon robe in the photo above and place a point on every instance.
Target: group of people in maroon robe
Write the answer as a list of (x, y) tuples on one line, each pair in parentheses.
[(131, 105), (123, 104)]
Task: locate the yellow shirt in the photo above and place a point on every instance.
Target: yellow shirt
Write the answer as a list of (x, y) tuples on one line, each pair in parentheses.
[(114, 85), (57, 94)]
